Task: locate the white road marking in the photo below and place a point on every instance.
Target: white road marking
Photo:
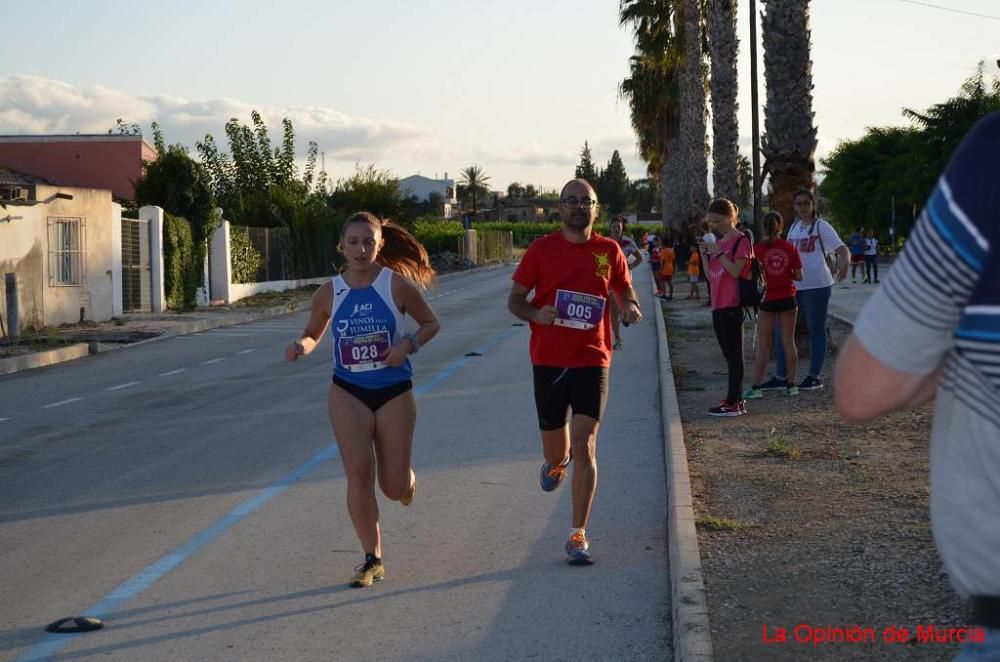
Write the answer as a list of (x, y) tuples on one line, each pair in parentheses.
[(245, 351), (172, 372), (211, 361), (4, 419), (60, 403), (121, 386)]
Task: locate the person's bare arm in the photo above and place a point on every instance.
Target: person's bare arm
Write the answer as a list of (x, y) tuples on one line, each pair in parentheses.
[(866, 388), (628, 302), (843, 260), (319, 318), (411, 302), (517, 304)]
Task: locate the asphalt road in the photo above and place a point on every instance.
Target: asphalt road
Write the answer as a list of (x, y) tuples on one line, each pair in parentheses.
[(189, 492)]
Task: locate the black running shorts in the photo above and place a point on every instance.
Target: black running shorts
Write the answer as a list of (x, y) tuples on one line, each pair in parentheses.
[(585, 390), (779, 305)]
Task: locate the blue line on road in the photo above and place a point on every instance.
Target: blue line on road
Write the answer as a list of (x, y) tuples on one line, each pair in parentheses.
[(139, 582)]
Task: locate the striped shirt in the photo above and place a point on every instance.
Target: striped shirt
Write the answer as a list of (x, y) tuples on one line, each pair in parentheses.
[(941, 304)]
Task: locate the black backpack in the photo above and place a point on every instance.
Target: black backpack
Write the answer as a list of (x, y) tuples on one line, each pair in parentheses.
[(752, 287)]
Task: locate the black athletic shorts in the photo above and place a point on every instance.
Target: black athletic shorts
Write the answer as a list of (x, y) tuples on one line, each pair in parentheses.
[(374, 398), (585, 390), (779, 305)]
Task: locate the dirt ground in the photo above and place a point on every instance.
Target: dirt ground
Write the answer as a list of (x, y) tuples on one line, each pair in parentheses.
[(804, 521)]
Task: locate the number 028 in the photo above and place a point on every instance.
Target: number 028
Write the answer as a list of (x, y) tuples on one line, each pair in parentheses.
[(365, 352)]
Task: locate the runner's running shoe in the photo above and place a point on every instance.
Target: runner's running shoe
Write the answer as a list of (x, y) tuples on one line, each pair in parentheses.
[(369, 572), (618, 345), (753, 393), (578, 550), (774, 384), (792, 390), (407, 498), (810, 384), (727, 408), (552, 475)]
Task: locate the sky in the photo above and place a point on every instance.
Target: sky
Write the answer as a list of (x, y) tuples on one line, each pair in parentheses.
[(435, 86)]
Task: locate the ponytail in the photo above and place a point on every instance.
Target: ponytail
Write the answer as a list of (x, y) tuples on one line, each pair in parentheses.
[(773, 224), (402, 253)]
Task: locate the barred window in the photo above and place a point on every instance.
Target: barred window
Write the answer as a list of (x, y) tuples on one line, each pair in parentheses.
[(67, 251)]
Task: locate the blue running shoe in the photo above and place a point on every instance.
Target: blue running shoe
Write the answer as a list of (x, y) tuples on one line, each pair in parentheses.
[(578, 550), (552, 475)]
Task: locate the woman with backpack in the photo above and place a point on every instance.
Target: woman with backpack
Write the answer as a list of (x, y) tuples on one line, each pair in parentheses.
[(781, 265), (727, 259), (814, 238)]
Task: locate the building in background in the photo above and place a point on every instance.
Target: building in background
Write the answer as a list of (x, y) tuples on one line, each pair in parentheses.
[(99, 161), (425, 189)]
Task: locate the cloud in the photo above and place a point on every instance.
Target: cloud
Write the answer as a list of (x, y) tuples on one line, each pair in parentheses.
[(30, 104)]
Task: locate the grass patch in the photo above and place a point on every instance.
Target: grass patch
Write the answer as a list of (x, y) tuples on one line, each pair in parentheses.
[(713, 523), (779, 446)]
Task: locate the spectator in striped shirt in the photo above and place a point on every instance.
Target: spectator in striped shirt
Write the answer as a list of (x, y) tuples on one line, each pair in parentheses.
[(917, 339)]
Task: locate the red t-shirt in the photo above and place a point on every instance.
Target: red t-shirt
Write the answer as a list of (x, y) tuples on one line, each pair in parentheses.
[(592, 268), (725, 288), (778, 259)]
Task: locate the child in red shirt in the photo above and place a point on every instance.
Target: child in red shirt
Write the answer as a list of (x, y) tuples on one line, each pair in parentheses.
[(781, 264)]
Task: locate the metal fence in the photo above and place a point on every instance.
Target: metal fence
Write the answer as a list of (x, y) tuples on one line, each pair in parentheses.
[(273, 246), (492, 246)]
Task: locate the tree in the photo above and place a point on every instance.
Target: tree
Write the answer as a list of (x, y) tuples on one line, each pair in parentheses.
[(124, 128), (368, 189), (865, 175), (653, 94), (689, 172), (644, 194), (182, 187), (474, 180), (789, 141), (724, 49), (586, 168), (887, 165), (530, 192), (613, 187), (744, 182), (515, 190)]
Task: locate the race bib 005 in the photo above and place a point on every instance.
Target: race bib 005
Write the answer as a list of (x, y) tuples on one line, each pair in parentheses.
[(363, 353), (577, 310)]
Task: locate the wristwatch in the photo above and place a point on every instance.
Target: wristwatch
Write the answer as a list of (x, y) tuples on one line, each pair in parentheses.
[(412, 337)]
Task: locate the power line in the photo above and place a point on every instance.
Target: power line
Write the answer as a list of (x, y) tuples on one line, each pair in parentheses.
[(951, 9)]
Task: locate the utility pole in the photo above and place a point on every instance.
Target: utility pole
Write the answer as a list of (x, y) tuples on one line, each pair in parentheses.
[(13, 323), (754, 115)]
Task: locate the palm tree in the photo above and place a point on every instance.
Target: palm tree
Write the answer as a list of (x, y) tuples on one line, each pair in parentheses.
[(473, 179), (744, 181), (789, 141), (724, 48), (691, 169), (651, 88), (666, 95)]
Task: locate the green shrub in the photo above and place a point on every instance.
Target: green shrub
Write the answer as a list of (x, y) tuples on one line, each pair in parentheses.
[(181, 264), (524, 233), (245, 259), (438, 235)]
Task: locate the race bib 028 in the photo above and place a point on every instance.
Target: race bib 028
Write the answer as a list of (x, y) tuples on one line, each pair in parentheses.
[(577, 310), (363, 353)]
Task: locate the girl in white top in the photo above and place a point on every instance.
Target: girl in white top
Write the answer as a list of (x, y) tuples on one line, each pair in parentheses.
[(815, 239), (871, 256)]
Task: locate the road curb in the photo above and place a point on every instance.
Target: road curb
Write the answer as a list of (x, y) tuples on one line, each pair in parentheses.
[(39, 359), (80, 350), (692, 637)]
